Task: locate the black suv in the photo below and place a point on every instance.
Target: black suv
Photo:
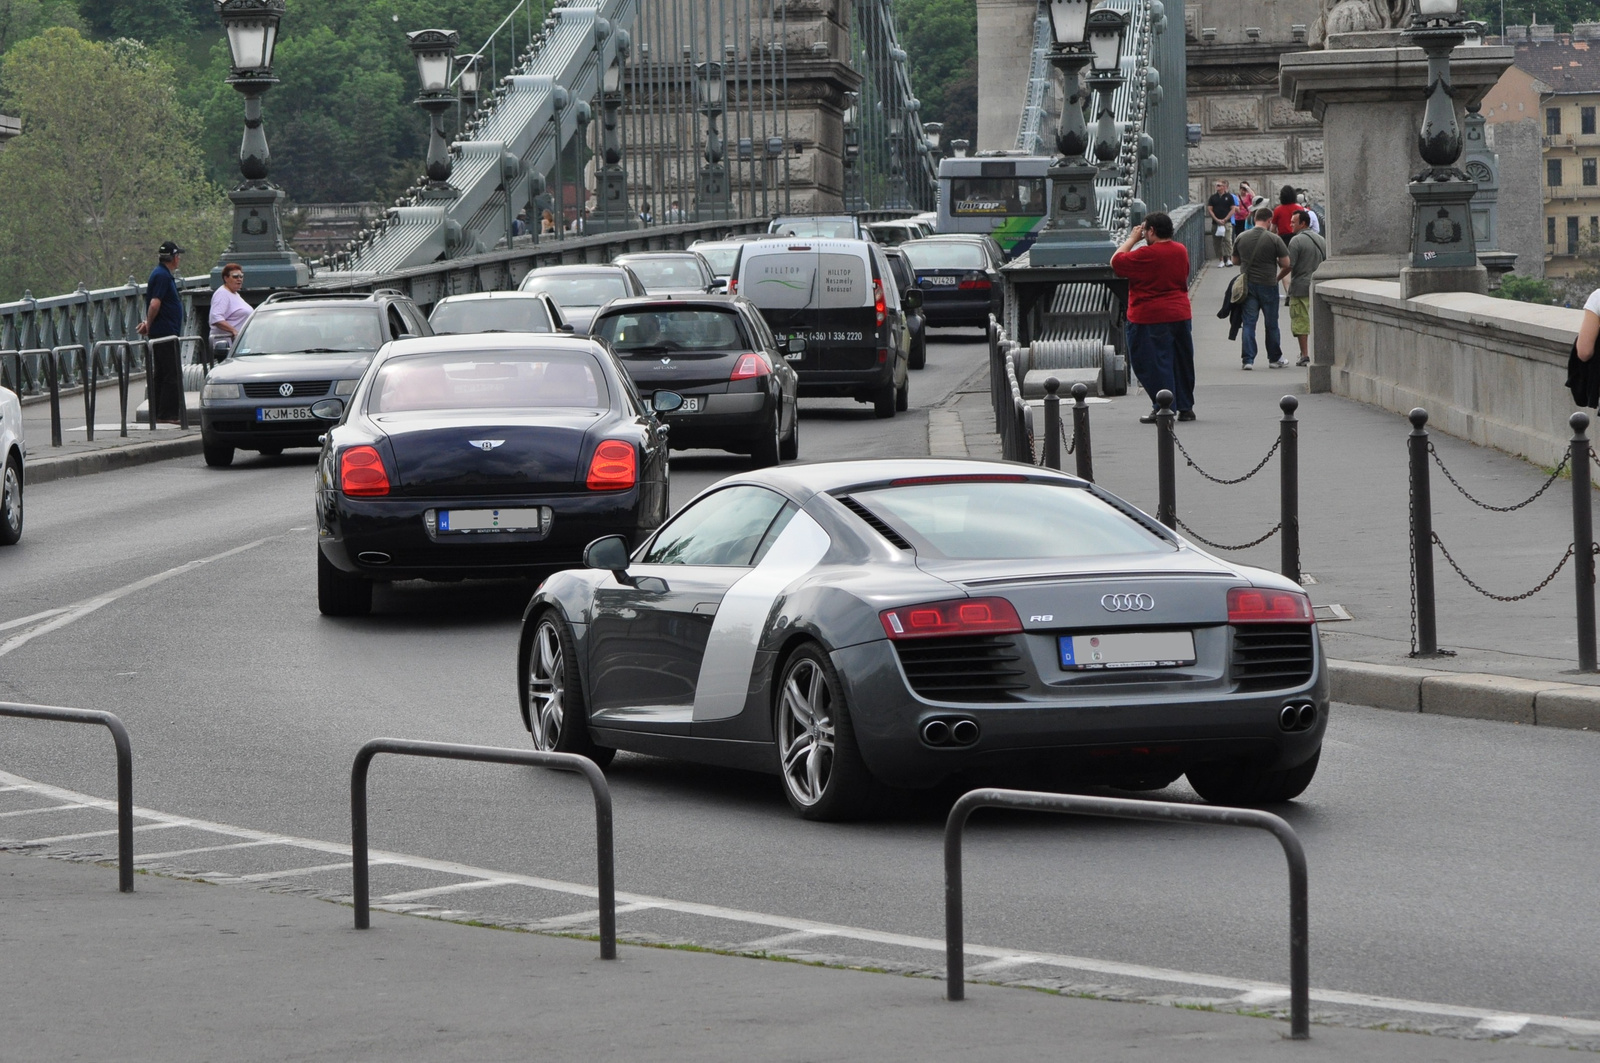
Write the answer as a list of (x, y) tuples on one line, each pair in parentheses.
[(296, 361)]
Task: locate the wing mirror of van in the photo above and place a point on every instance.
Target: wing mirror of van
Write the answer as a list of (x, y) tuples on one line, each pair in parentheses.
[(912, 299)]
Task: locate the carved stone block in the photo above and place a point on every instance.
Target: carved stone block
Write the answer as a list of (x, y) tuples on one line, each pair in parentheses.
[(1282, 115), (1240, 156), (1235, 113), (1310, 153)]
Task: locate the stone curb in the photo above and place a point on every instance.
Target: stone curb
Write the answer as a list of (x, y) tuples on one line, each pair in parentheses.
[(44, 470), (1475, 695)]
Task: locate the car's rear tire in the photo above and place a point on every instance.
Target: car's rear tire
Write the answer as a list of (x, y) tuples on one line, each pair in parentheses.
[(218, 455), (902, 397), (790, 450), (11, 502), (552, 689), (767, 448), (823, 774), (884, 400), (1238, 783), (339, 593)]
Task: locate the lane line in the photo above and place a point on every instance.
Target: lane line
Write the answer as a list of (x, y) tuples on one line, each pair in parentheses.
[(1510, 1025), (1001, 964), (591, 916), (206, 849), (37, 811), (263, 876), (8, 789), (776, 941), (77, 611), (1241, 986), (23, 621), (435, 891), (96, 834)]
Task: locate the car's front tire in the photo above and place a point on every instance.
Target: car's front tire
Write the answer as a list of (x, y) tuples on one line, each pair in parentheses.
[(341, 594), (558, 720), (823, 774), (218, 455), (11, 502), (1238, 783)]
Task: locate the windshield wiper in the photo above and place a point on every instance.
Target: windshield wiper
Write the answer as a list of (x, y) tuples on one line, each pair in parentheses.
[(325, 350)]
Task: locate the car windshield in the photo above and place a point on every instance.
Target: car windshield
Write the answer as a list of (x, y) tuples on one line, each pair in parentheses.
[(840, 228), (490, 315), (310, 330), (481, 380), (721, 259), (936, 254), (584, 289), (891, 235), (993, 520), (668, 274), (652, 331)]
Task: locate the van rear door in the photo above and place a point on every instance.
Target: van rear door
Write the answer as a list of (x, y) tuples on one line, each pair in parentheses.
[(822, 296)]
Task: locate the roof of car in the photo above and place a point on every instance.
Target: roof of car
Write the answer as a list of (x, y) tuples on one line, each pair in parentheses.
[(492, 341), (812, 243), (475, 296), (692, 299), (635, 255), (826, 477), (577, 267)]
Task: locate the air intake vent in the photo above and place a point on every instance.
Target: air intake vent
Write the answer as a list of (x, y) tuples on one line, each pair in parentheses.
[(1272, 656), (299, 389), (965, 668), (874, 522)]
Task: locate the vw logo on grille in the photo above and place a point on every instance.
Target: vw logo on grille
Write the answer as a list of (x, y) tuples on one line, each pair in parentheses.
[(486, 444), (285, 390), (1127, 603)]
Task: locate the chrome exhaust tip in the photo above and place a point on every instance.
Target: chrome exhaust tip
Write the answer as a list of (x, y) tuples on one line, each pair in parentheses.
[(1289, 717), (373, 557), (1308, 716), (964, 732), (936, 732)]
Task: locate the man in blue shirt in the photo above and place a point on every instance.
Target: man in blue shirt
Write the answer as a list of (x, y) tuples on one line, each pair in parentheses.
[(164, 318)]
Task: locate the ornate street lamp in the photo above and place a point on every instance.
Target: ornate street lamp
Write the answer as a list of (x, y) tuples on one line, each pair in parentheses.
[(853, 200), (897, 171), (711, 191), (1441, 236), (258, 245), (468, 74), (612, 179), (435, 51), (1106, 28)]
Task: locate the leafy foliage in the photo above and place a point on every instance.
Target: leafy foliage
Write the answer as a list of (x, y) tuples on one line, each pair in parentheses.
[(941, 40), (1562, 13), (1525, 290)]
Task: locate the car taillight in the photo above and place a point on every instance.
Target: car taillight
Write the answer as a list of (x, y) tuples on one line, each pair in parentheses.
[(361, 473), (614, 466), (974, 282), (733, 285), (877, 301), (1251, 605), (750, 366), (963, 616)]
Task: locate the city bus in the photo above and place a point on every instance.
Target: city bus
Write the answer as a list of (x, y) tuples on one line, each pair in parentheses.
[(1003, 195)]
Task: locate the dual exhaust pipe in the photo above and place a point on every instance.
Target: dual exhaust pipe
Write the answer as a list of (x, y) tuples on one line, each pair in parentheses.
[(1301, 716), (950, 731)]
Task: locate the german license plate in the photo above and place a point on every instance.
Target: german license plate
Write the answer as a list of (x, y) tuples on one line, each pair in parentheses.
[(1127, 649), (284, 413), (488, 520)]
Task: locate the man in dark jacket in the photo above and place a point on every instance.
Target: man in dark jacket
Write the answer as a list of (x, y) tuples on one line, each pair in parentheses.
[(164, 319)]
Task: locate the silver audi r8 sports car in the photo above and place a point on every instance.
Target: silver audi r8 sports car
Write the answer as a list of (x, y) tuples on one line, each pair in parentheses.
[(850, 624)]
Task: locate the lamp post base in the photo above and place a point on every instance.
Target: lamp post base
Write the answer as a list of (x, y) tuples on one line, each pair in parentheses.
[(1074, 236), (611, 213), (711, 195), (1441, 228), (258, 243)]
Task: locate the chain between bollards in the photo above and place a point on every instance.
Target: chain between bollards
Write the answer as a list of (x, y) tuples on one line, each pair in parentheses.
[(1583, 540), (1425, 632), (1166, 462), (1080, 432), (1052, 423), (1289, 486)]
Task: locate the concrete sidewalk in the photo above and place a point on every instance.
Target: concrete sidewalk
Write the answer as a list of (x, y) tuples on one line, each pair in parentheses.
[(1514, 661), (78, 456), (184, 971)]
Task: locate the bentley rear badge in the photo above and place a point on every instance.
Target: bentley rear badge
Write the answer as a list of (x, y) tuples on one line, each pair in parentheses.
[(485, 444)]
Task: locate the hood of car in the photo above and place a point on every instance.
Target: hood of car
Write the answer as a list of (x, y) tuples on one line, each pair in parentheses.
[(256, 367)]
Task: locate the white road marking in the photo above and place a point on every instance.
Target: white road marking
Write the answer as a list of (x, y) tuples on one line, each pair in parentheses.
[(556, 922), (1510, 1025), (36, 811), (1263, 996), (998, 965), (635, 902), (97, 834), (8, 789), (24, 621), (210, 849), (435, 891), (776, 942), (79, 610), (263, 876)]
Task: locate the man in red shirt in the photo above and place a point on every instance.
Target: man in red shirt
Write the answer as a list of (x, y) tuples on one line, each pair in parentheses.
[(1160, 339)]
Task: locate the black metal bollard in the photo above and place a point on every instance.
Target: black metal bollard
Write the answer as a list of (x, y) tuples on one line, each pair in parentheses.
[(1080, 432), (1583, 540), (1166, 462), (1422, 537), (124, 353), (1289, 489), (52, 365), (1052, 423)]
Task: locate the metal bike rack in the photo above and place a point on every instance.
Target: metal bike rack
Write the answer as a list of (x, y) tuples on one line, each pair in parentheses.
[(1123, 808), (119, 735), (487, 755)]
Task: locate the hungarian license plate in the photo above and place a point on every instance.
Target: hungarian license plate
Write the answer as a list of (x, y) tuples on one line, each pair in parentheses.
[(284, 413), (691, 404), (1127, 649), (489, 520)]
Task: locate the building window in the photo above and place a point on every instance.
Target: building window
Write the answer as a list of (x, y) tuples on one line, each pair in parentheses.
[(1594, 231), (1552, 121), (1590, 174), (1550, 231), (1572, 236), (1552, 172), (1586, 116)]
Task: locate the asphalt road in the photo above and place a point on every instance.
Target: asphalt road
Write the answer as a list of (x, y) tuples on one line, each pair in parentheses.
[(1452, 861)]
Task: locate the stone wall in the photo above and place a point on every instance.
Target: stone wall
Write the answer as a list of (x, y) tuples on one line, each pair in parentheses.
[(1519, 146), (1005, 59), (1491, 371)]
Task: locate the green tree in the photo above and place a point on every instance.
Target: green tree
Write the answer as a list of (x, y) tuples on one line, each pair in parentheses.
[(1525, 290), (1560, 13), (21, 19), (941, 40), (92, 190)]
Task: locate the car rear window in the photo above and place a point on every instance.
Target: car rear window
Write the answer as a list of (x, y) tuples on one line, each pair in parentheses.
[(311, 329), (588, 289), (469, 380), (989, 520), (667, 274), (794, 280), (653, 331), (721, 259), (490, 315), (938, 255), (834, 228)]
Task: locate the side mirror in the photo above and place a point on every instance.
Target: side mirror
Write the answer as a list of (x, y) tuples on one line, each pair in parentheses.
[(328, 409), (665, 401), (609, 553), (406, 336), (912, 299), (792, 347), (567, 328)]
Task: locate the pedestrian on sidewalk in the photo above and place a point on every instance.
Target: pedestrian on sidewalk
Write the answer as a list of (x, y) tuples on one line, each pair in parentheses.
[(1219, 219), (1307, 251), (1316, 224), (1261, 253), (229, 311), (1159, 330), (1242, 211), (1283, 213), (164, 318)]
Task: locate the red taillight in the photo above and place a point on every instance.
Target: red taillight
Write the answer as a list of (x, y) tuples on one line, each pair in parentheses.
[(974, 282), (733, 285), (750, 366), (963, 616), (1250, 605), (877, 301), (361, 473), (985, 478), (614, 466)]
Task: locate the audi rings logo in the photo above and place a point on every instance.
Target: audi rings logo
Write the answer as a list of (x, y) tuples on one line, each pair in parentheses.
[(285, 390), (1127, 603)]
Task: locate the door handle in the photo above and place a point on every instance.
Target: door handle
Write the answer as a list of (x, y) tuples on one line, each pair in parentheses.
[(704, 609)]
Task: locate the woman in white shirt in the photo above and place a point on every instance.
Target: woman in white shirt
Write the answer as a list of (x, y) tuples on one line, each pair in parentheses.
[(229, 311)]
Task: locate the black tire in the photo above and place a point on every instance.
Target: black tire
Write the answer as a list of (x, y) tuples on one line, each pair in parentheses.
[(1237, 783), (766, 449), (218, 455), (902, 397), (11, 502), (820, 764), (270, 452), (884, 400), (339, 593), (790, 450), (551, 688), (919, 352)]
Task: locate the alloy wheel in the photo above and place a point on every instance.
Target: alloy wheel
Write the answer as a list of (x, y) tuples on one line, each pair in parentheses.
[(11, 500), (547, 681), (806, 732)]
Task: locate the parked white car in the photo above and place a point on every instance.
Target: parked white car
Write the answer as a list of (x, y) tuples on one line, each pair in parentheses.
[(13, 451)]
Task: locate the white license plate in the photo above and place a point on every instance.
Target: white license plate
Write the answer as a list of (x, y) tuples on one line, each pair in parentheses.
[(284, 413), (1127, 649), (488, 520), (691, 404)]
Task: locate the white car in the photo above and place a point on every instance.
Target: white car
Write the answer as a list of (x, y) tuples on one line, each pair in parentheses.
[(12, 451)]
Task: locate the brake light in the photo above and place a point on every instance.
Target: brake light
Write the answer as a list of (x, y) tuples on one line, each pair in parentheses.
[(962, 616), (750, 366), (974, 282), (877, 301), (1251, 605), (733, 285), (614, 467), (986, 478), (361, 473)]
